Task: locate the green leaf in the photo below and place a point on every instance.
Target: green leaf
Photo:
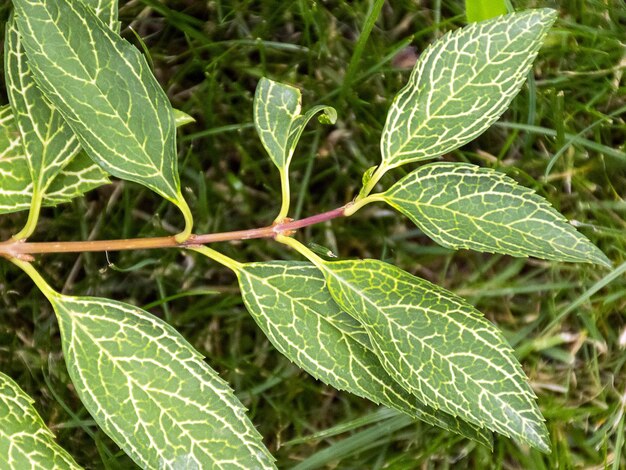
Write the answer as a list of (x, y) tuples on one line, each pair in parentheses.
[(104, 89), (278, 121), (464, 206), (25, 441), (327, 115), (16, 192), (276, 107), (106, 10), (16, 187), (150, 391), (48, 142), (480, 10), (279, 125), (438, 347), (291, 304), (79, 176), (461, 85)]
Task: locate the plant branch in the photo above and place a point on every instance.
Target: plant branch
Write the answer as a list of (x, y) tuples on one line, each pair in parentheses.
[(24, 250)]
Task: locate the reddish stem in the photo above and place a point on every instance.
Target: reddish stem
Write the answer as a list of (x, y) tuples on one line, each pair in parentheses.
[(22, 249)]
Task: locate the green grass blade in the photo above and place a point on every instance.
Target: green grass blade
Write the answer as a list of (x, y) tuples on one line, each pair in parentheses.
[(25, 441), (104, 89), (572, 138), (439, 348), (355, 60), (461, 85), (291, 304), (481, 10), (150, 391), (365, 439), (464, 206), (616, 273)]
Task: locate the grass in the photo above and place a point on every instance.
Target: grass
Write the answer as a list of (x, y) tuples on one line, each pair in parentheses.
[(563, 136)]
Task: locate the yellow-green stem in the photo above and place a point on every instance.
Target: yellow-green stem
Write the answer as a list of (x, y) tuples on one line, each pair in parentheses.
[(285, 195), (378, 174), (302, 249), (359, 203), (39, 281), (219, 257), (184, 208), (33, 217)]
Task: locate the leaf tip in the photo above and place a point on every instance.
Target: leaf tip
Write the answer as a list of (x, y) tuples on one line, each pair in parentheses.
[(601, 259), (544, 16), (542, 440)]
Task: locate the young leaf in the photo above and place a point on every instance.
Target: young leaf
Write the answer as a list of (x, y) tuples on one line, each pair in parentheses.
[(291, 304), (104, 89), (461, 85), (16, 192), (276, 107), (150, 391), (328, 116), (278, 121), (438, 347), (480, 10), (279, 125), (464, 206), (25, 441)]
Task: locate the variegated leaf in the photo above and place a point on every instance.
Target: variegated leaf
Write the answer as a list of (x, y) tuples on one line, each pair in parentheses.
[(106, 10), (181, 118), (16, 189), (104, 89), (49, 143), (276, 107), (79, 176), (461, 85), (291, 304), (151, 392), (464, 206), (278, 121), (15, 179), (25, 441), (438, 347)]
